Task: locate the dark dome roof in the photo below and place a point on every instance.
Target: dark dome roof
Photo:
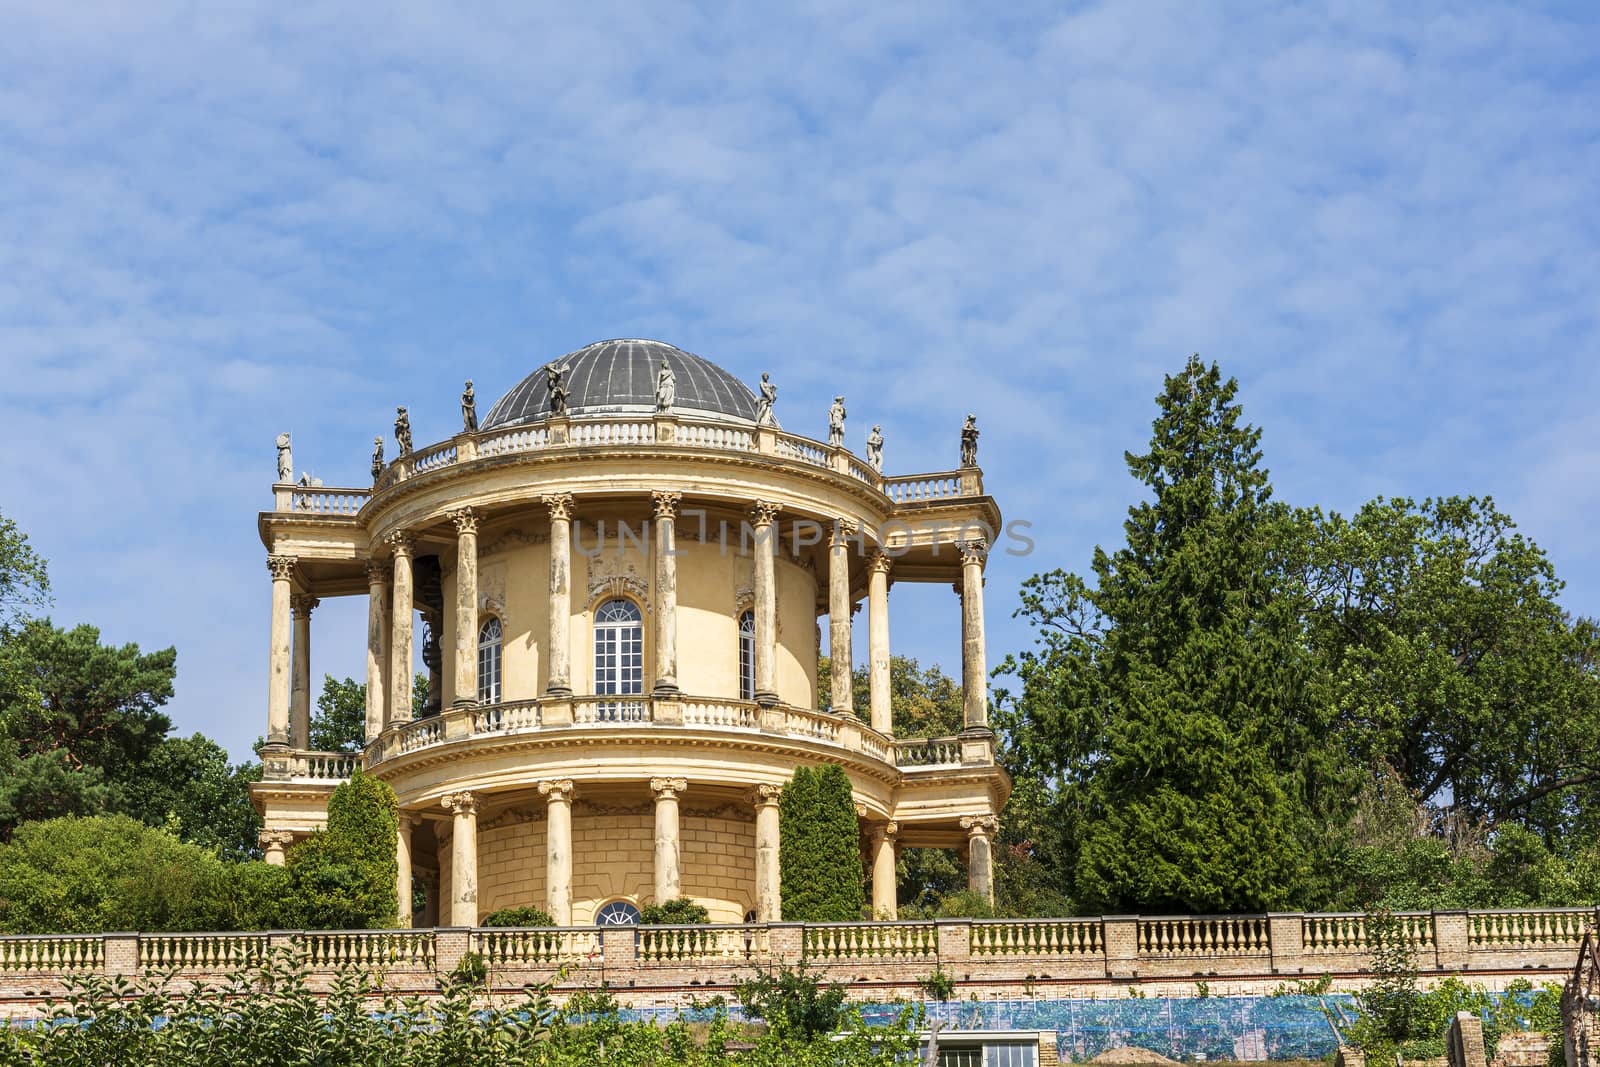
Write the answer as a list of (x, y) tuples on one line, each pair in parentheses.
[(620, 376)]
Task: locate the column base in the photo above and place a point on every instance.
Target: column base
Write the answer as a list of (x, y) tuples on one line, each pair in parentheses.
[(558, 692), (767, 700), (463, 702), (666, 689)]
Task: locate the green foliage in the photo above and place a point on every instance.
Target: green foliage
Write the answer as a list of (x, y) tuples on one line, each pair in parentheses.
[(340, 722), (793, 1001), (24, 578), (679, 912), (529, 916), (938, 985), (419, 695), (1419, 1030), (1390, 1006), (922, 702), (819, 847), (189, 783), (344, 877)]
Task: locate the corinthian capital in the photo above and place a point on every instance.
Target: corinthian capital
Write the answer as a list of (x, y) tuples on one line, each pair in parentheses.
[(668, 788), (378, 572), (560, 505), (281, 567), (557, 791), (303, 604), (400, 543), (879, 562), (974, 551), (463, 803), (466, 520), (763, 513), (666, 504)]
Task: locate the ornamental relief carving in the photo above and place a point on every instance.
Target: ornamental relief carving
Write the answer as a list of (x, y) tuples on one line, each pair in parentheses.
[(611, 576), (511, 539), (512, 817), (589, 807)]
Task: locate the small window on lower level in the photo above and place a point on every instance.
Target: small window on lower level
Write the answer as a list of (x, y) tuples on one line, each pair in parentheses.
[(617, 913)]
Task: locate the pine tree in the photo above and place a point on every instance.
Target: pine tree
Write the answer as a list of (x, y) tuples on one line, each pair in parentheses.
[(819, 853)]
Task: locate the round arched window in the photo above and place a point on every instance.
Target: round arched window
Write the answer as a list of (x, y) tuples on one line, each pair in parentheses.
[(617, 913), (489, 637), (747, 656), (619, 659)]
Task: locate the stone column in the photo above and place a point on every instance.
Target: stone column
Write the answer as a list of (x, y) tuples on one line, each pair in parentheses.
[(402, 881), (974, 661), (668, 881), (980, 853), (400, 665), (377, 645), (300, 691), (885, 901), (666, 510), (769, 902), (560, 683), (273, 843), (558, 850), (839, 654), (466, 620), (763, 520), (878, 641), (463, 858), (278, 675)]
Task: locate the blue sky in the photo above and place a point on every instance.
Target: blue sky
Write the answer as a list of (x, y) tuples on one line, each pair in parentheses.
[(222, 221)]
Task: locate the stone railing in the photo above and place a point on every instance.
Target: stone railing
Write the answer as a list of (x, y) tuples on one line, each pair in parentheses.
[(304, 766), (845, 732), (1264, 949), (631, 432)]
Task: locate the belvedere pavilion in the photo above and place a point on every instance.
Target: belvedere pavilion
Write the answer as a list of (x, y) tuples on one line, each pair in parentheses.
[(620, 574)]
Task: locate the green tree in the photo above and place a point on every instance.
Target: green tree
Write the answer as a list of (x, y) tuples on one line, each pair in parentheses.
[(819, 851), (340, 722), (923, 702), (344, 877), (190, 783), (1173, 706), (24, 578)]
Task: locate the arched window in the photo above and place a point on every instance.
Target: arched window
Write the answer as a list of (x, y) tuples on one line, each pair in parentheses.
[(489, 661), (619, 660), (747, 656), (617, 913)]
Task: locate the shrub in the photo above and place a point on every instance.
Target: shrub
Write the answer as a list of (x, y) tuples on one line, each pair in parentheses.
[(964, 904), (793, 1001), (679, 912), (344, 878), (819, 847), (529, 916), (938, 985)]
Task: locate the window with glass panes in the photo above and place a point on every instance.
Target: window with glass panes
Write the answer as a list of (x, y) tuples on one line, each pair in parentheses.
[(747, 656), (619, 659), (489, 641)]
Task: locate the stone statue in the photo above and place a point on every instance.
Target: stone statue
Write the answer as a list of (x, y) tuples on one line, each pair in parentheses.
[(402, 431), (769, 396), (469, 410), (875, 448), (377, 458), (558, 392), (666, 388), (969, 442), (836, 423), (285, 459)]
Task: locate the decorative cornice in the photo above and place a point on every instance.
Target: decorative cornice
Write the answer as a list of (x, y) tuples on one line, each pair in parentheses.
[(560, 505), (303, 604), (462, 803), (465, 519), (665, 504), (557, 790), (668, 788), (281, 567)]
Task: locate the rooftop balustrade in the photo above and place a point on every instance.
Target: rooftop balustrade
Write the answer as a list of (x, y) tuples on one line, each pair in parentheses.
[(630, 433)]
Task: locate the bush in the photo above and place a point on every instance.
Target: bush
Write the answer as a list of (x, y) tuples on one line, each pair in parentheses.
[(109, 872), (819, 847), (344, 878), (964, 905), (529, 916), (793, 1001), (679, 912)]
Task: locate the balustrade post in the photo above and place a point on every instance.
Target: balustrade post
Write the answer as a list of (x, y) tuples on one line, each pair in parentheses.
[(954, 940), (1120, 936), (1286, 940), (763, 521), (466, 620), (787, 942), (619, 946), (839, 610), (450, 944), (120, 955), (1451, 942)]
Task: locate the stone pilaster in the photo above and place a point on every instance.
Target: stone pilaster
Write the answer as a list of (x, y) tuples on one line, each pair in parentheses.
[(400, 652), (763, 521), (273, 843), (463, 858), (885, 898), (980, 853), (974, 661), (878, 641), (402, 881), (666, 513), (558, 850), (466, 620), (769, 902), (560, 680), (302, 605), (839, 612), (279, 669), (378, 575), (669, 885)]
